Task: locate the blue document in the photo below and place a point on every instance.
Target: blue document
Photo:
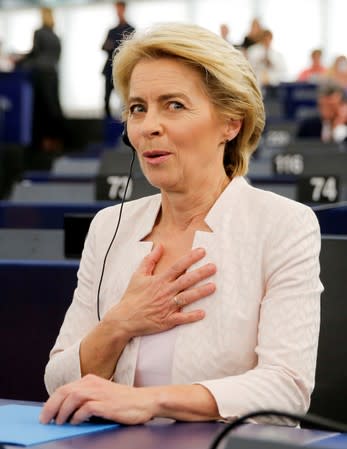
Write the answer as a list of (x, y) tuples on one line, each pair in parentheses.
[(20, 425)]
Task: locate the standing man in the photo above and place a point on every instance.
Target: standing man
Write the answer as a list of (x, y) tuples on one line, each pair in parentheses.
[(113, 40)]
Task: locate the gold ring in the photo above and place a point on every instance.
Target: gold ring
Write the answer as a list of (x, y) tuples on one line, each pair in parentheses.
[(177, 302)]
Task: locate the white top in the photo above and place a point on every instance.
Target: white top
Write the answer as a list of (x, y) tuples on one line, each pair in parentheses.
[(256, 347), (268, 64), (155, 358), (330, 134)]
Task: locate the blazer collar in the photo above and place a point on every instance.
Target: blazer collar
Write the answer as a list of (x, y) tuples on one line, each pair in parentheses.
[(227, 200), (147, 221)]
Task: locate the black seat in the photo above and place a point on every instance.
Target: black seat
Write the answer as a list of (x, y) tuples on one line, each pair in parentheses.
[(329, 398)]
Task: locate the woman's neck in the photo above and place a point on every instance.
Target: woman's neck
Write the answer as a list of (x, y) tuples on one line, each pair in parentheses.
[(183, 210)]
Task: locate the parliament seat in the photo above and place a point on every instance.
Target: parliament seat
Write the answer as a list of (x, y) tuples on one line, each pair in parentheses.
[(329, 397)]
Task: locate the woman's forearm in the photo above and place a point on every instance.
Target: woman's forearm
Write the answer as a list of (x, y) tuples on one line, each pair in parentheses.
[(183, 402), (93, 396), (101, 349)]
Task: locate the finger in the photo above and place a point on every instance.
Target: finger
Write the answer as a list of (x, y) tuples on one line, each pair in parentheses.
[(52, 406), (179, 318), (68, 408), (194, 294), (184, 263), (191, 278), (150, 261), (87, 410)]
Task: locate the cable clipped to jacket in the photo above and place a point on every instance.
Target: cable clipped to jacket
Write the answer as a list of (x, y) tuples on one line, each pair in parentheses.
[(114, 236)]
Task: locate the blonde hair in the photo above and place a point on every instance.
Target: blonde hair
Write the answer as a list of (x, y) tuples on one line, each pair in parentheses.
[(227, 76), (47, 17)]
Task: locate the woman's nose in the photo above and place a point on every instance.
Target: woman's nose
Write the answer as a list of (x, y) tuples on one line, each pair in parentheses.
[(151, 125)]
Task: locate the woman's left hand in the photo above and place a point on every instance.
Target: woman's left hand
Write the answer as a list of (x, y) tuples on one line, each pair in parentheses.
[(94, 396)]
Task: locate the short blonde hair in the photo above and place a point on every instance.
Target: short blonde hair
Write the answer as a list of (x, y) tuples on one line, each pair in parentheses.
[(228, 78), (47, 17)]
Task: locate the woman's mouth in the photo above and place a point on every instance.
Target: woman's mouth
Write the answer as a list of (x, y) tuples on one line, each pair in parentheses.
[(155, 157)]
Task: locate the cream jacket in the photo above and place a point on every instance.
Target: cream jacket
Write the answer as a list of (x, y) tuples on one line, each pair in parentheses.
[(256, 348)]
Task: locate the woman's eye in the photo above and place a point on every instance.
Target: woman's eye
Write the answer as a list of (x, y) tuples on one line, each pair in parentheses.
[(176, 105), (134, 108)]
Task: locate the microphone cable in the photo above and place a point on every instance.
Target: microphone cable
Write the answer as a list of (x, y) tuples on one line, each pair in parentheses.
[(114, 234), (311, 419)]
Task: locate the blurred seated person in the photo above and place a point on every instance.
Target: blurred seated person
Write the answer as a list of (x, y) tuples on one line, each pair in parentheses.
[(338, 71), (207, 305), (268, 63), (330, 125), (316, 70)]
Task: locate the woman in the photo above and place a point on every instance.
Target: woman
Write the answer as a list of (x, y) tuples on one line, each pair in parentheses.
[(209, 302)]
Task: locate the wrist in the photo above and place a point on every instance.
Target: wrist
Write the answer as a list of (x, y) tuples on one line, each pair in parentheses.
[(158, 401), (115, 330)]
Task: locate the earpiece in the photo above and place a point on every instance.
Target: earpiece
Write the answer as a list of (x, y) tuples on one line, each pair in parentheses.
[(125, 137)]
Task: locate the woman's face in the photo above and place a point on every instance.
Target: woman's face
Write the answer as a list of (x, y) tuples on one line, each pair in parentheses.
[(177, 133)]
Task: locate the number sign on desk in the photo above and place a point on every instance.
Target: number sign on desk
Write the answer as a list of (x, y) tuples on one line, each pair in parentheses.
[(112, 187), (288, 164), (113, 177), (277, 138), (117, 187), (318, 189)]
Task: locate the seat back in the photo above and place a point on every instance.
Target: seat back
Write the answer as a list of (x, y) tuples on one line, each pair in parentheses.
[(329, 398)]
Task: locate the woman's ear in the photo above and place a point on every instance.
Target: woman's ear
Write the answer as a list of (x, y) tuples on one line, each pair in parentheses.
[(232, 129)]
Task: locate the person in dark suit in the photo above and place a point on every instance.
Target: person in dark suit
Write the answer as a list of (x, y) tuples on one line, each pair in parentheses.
[(330, 125), (113, 39), (42, 61)]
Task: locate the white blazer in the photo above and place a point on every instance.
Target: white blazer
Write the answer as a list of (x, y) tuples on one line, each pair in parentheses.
[(256, 348)]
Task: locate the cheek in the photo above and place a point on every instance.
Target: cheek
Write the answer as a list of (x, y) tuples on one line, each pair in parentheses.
[(133, 134), (198, 132)]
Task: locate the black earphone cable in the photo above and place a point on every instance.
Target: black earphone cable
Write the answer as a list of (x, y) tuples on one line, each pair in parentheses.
[(311, 419), (114, 235)]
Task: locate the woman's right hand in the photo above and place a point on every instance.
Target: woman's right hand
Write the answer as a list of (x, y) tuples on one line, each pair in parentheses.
[(152, 302)]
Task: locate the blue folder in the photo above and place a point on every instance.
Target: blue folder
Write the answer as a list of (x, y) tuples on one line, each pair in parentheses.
[(20, 425)]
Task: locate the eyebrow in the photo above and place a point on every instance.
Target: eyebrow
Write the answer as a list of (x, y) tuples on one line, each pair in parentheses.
[(160, 98)]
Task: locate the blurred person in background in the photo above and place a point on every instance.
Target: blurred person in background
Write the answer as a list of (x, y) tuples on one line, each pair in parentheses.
[(315, 72), (330, 125), (268, 63), (224, 31), (42, 61), (112, 42), (338, 71), (6, 62), (253, 36)]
